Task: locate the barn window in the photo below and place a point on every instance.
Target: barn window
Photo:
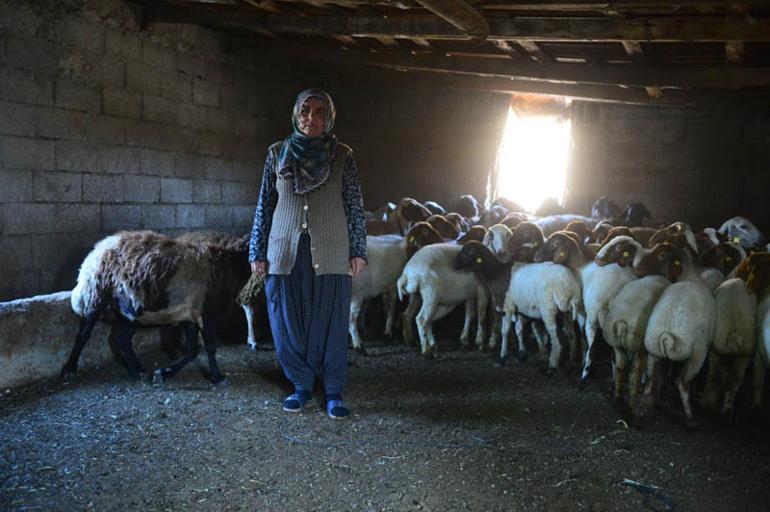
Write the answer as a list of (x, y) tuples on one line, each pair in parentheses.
[(534, 153)]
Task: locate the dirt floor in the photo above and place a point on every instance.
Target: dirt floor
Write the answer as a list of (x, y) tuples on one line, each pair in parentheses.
[(449, 435)]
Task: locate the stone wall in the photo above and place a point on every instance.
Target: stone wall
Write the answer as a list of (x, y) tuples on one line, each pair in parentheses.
[(701, 165)]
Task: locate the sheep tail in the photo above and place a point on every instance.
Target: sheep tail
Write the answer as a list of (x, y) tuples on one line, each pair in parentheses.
[(406, 286), (669, 344)]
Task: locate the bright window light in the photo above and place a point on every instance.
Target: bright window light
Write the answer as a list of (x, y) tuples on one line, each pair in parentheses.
[(533, 159)]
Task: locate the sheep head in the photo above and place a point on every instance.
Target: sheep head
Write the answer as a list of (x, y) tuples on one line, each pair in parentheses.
[(615, 232), (411, 210), (526, 239), (742, 231), (600, 232), (496, 239), (755, 270), (434, 207), (457, 221), (474, 256), (468, 206), (511, 220), (605, 208), (723, 257), (663, 259), (420, 235), (579, 228), (446, 229), (635, 214), (559, 247), (477, 233), (621, 250)]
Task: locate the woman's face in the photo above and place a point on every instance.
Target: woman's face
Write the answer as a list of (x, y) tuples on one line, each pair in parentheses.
[(312, 117)]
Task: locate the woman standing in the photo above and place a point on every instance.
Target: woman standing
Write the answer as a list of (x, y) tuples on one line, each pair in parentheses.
[(309, 238)]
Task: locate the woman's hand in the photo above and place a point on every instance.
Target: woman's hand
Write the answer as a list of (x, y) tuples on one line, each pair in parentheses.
[(356, 265), (258, 267)]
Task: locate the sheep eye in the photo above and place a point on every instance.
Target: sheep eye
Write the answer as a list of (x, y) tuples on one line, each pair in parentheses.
[(662, 256), (743, 226)]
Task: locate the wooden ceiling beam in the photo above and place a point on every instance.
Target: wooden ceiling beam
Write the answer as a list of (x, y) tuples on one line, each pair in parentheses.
[(695, 29), (534, 51), (735, 52)]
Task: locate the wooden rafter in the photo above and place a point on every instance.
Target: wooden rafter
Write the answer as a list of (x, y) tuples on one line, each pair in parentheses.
[(534, 51), (735, 52), (663, 29)]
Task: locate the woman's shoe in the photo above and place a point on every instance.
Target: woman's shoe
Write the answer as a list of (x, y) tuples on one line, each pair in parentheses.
[(296, 401), (336, 410)]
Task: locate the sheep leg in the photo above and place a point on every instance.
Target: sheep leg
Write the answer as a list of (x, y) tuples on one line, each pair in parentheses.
[(355, 310), (505, 328), (709, 398), (568, 329), (389, 300), (191, 340), (621, 370), (482, 305), (408, 317), (550, 325), (521, 322), (425, 324), (640, 361), (733, 383), (70, 368), (541, 336), (470, 314), (643, 407), (215, 375), (252, 339), (759, 380), (494, 336), (590, 337), (124, 336), (690, 370)]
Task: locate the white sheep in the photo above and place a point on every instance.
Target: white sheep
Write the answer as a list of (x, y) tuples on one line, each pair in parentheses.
[(742, 231), (387, 257), (431, 273), (680, 328), (497, 239)]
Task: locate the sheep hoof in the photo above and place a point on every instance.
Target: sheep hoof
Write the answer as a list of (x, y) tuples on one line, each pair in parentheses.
[(158, 379), (67, 374), (521, 356), (360, 350), (222, 383), (501, 361), (550, 372)]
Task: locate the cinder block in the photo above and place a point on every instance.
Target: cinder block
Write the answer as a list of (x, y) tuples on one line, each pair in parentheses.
[(22, 153), (122, 103), (243, 217), (50, 218), (121, 44), (106, 130), (218, 216), (206, 93), (159, 216), (116, 217), (207, 192), (2, 46), (99, 188), (26, 87), (15, 253), (219, 120), (78, 156), (219, 168), (81, 33), (175, 85), (17, 119), (122, 160), (248, 171), (141, 189), (174, 190), (163, 57), (192, 116), (32, 54), (161, 110), (16, 186), (193, 65), (158, 163), (190, 216), (55, 187), (75, 95), (54, 123), (142, 77), (190, 166), (236, 192), (233, 97), (206, 143)]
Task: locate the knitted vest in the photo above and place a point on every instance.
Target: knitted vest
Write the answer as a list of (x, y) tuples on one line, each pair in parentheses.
[(320, 213)]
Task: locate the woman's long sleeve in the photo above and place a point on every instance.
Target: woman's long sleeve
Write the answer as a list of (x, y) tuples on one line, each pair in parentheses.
[(354, 210), (263, 217)]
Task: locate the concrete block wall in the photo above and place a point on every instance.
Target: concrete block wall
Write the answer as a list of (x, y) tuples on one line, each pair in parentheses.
[(700, 165), (104, 126)]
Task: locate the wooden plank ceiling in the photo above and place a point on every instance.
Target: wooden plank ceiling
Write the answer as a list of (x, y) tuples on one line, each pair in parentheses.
[(684, 52)]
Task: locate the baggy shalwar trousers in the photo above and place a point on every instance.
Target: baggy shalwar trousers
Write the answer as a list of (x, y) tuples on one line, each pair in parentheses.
[(309, 318)]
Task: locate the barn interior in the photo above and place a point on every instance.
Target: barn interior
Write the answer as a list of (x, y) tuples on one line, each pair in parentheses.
[(157, 114)]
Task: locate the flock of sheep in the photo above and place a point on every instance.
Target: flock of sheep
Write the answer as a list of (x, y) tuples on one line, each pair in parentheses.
[(653, 292)]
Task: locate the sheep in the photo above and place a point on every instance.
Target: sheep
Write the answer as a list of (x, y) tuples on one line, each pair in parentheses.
[(734, 339), (418, 236), (508, 204), (497, 238), (719, 261), (605, 208), (680, 328), (446, 229), (635, 214), (468, 206), (251, 298), (387, 257), (548, 207), (625, 324), (670, 232), (494, 215), (149, 279), (458, 221), (431, 273), (477, 233), (434, 208), (742, 231), (553, 223), (382, 213), (407, 212)]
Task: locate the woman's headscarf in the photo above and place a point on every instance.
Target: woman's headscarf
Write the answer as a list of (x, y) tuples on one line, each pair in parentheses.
[(308, 159)]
